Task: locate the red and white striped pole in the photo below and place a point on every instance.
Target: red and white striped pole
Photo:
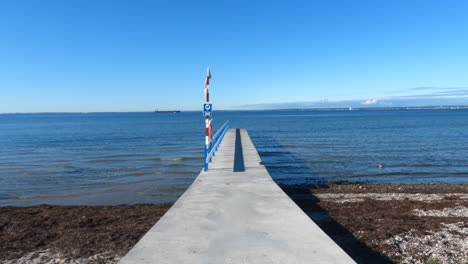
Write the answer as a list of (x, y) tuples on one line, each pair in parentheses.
[(208, 130), (208, 135)]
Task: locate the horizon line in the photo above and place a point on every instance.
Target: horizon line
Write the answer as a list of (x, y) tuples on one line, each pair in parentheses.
[(266, 109)]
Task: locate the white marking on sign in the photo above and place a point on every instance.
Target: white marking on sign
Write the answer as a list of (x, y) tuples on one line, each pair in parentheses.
[(207, 109)]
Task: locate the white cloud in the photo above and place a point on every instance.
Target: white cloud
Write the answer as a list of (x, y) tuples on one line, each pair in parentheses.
[(363, 103), (370, 101)]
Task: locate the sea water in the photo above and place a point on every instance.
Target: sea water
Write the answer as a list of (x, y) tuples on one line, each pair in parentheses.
[(125, 158)]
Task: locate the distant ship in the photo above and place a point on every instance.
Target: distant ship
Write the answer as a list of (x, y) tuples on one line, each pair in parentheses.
[(167, 111)]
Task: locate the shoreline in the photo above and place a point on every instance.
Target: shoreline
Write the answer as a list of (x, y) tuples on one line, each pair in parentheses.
[(373, 223)]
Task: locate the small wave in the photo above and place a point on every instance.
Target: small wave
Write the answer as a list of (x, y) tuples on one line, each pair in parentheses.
[(106, 160), (460, 173), (169, 188), (60, 166), (290, 146), (179, 165), (122, 183), (122, 156), (175, 195), (427, 165), (167, 159), (390, 174), (161, 173), (43, 197), (140, 173), (76, 171), (176, 159), (10, 169), (273, 153), (5, 196)]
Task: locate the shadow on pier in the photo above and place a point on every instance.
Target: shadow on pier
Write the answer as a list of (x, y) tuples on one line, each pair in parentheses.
[(300, 193), (238, 154)]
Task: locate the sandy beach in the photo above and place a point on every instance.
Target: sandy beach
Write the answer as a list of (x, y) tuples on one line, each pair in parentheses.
[(373, 223)]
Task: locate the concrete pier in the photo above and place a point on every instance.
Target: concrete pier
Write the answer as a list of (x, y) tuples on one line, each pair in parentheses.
[(235, 213)]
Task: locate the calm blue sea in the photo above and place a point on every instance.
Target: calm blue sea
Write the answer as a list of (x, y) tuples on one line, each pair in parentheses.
[(124, 158)]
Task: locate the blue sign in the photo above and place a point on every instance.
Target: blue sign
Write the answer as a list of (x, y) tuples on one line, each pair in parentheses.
[(207, 109)]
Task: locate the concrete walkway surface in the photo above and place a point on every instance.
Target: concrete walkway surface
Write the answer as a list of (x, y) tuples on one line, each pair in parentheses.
[(235, 217)]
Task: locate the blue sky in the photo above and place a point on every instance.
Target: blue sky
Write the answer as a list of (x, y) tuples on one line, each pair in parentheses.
[(85, 56)]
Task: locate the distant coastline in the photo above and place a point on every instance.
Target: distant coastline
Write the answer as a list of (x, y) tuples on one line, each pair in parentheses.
[(167, 111), (441, 107)]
